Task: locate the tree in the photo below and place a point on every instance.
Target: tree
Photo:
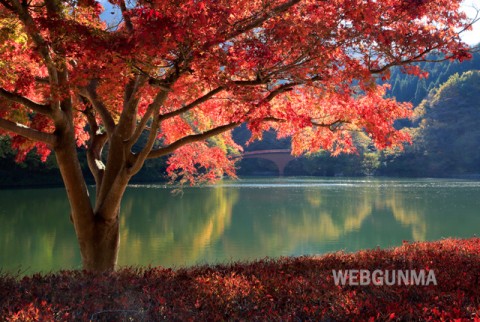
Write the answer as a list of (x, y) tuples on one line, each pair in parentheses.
[(186, 72)]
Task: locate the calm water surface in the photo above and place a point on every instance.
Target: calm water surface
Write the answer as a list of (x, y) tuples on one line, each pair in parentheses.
[(244, 219)]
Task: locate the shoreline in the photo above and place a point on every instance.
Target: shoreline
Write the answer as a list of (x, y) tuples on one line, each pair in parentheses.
[(475, 177), (296, 288)]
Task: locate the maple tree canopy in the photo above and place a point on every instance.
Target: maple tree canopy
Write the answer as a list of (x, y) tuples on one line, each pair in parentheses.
[(188, 71)]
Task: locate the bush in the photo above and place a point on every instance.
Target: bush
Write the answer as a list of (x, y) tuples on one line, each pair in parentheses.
[(283, 289)]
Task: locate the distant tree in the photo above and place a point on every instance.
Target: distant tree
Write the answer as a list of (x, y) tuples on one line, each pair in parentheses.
[(187, 72)]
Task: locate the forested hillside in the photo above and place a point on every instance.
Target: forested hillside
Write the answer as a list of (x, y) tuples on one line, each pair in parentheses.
[(446, 139), (407, 88), (445, 132)]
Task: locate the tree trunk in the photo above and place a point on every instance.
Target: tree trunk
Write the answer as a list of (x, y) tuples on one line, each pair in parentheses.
[(100, 252), (97, 230)]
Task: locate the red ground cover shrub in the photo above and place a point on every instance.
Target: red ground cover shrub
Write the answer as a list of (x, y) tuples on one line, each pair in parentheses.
[(300, 288)]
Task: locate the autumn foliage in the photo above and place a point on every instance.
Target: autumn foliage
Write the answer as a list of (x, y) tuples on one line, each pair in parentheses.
[(173, 78), (283, 64), (287, 289)]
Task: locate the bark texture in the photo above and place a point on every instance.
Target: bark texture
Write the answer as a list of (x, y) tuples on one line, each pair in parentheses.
[(100, 252)]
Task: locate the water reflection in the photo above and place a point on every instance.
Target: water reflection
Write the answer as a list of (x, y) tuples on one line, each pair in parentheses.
[(243, 220), (158, 227), (35, 231)]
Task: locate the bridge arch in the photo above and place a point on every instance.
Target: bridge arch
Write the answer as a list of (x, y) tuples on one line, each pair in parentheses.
[(281, 157)]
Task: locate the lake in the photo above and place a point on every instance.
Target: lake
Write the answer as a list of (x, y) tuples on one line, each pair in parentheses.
[(242, 220)]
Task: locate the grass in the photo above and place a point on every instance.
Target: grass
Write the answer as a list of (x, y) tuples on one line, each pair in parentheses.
[(290, 289)]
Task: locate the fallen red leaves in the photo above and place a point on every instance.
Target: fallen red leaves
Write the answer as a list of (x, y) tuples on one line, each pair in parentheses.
[(282, 289)]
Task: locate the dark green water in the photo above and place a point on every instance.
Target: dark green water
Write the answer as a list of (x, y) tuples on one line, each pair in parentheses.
[(245, 219)]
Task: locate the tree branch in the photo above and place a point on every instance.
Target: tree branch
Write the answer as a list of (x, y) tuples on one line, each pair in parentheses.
[(27, 132), (264, 17), (168, 115), (205, 135), (128, 21), (141, 126), (159, 83), (91, 93), (332, 125), (207, 96), (279, 90), (415, 58), (190, 139), (94, 158), (188, 107), (41, 80), (154, 106), (140, 158), (128, 117), (39, 108), (95, 146), (218, 130)]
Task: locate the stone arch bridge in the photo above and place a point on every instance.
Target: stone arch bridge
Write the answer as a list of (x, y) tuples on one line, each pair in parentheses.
[(281, 157)]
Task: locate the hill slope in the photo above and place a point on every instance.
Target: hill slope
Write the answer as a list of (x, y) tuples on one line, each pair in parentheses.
[(447, 140)]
